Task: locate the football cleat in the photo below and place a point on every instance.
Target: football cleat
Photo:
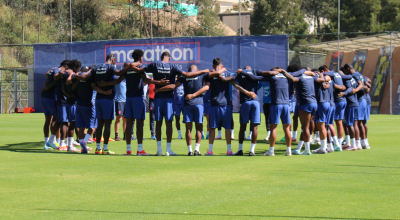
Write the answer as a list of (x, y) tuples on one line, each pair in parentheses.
[(190, 153), (142, 153), (288, 153), (296, 152), (159, 153), (209, 153), (197, 153), (128, 153), (306, 152), (171, 153), (107, 152), (229, 153), (117, 139), (179, 137), (366, 147), (252, 154), (72, 149), (52, 145), (272, 154), (98, 151), (319, 151), (238, 153), (337, 148)]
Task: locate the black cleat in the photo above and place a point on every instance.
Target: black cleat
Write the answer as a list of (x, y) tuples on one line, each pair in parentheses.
[(239, 153), (197, 153), (190, 153), (252, 154)]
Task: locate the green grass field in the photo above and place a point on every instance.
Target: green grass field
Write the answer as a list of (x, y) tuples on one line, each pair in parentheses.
[(38, 184)]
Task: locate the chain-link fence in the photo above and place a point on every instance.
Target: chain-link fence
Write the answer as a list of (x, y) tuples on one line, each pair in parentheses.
[(368, 36)]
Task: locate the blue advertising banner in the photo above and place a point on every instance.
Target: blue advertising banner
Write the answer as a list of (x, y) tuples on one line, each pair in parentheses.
[(259, 52)]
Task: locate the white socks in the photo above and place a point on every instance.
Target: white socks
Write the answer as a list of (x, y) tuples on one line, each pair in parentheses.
[(168, 146), (347, 138), (52, 139), (323, 144), (294, 135), (190, 148), (128, 147), (105, 146), (340, 141), (197, 147), (268, 133), (250, 133), (240, 146), (307, 146), (140, 147), (288, 149), (353, 142), (46, 139), (271, 149), (358, 143), (219, 133), (87, 137), (62, 143), (232, 134), (228, 146), (335, 141), (159, 148), (316, 135), (253, 146), (58, 141), (210, 147), (300, 145)]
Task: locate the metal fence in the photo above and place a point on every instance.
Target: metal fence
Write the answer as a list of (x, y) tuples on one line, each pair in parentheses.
[(315, 30)]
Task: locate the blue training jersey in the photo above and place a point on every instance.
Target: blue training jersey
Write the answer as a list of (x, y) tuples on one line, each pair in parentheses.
[(322, 94), (104, 72), (266, 91), (120, 90), (247, 84), (206, 97), (162, 70), (219, 91), (191, 86), (360, 94), (50, 78), (179, 94), (306, 89), (351, 98), (85, 92), (367, 96), (134, 83), (61, 97)]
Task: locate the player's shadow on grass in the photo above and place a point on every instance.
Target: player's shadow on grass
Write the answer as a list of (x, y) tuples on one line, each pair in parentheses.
[(31, 147), (216, 215)]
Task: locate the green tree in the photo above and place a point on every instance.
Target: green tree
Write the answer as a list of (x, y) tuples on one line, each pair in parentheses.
[(208, 17), (277, 17), (317, 9)]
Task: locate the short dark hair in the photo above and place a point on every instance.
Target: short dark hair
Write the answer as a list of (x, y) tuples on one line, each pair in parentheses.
[(165, 54), (247, 68), (110, 56), (314, 70), (74, 64), (64, 63), (293, 67), (348, 66), (342, 69), (276, 68), (92, 66), (323, 68), (217, 61), (137, 54)]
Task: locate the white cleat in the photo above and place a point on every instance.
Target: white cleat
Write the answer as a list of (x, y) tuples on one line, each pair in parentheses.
[(266, 139), (359, 148), (170, 153), (366, 147), (319, 151), (271, 154), (179, 137), (288, 153)]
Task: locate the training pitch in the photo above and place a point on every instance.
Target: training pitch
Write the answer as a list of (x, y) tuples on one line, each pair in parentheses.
[(38, 184)]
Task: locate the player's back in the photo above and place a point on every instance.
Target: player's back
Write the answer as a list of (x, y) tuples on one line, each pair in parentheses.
[(104, 72), (84, 92), (321, 93), (306, 89), (50, 78), (134, 83), (351, 98), (247, 84), (219, 91), (279, 89), (166, 71)]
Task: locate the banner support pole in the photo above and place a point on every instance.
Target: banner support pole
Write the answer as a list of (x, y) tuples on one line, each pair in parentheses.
[(391, 56)]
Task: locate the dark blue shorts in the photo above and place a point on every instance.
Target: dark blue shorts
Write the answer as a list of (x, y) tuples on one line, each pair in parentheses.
[(310, 108), (105, 109), (135, 108), (297, 108), (350, 115), (331, 113), (71, 111), (368, 111), (340, 110), (163, 108), (279, 112), (362, 110), (207, 107), (85, 117), (62, 112), (250, 111), (193, 113), (49, 106), (292, 105), (221, 115), (120, 108), (178, 109), (322, 112)]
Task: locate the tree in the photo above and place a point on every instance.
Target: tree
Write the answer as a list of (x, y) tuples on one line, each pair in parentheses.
[(208, 17), (317, 9), (277, 17)]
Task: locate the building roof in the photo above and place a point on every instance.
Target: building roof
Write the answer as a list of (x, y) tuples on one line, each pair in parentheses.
[(358, 43)]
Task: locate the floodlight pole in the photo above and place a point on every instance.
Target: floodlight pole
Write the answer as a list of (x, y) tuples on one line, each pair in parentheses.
[(15, 90), (390, 66), (151, 17), (338, 67), (240, 19), (70, 18)]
